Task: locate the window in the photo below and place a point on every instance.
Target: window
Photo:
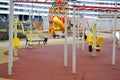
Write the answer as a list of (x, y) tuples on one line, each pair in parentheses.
[(2, 3), (4, 9)]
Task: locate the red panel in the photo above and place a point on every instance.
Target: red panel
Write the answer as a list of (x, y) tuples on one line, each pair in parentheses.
[(96, 8), (36, 1), (28, 1), (84, 7)]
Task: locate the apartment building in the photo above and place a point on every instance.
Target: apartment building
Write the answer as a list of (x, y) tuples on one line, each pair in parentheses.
[(23, 10)]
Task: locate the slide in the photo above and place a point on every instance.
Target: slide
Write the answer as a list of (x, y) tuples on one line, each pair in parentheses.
[(60, 24)]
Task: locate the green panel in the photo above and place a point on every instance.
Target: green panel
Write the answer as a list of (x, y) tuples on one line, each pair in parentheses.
[(64, 5), (54, 5)]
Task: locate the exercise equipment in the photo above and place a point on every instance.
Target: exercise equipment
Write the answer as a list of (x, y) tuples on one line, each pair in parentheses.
[(16, 43), (16, 40), (30, 36), (94, 42), (100, 40), (90, 48), (89, 40)]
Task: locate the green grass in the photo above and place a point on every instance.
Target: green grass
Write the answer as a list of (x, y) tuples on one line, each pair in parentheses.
[(3, 57), (4, 79), (3, 41)]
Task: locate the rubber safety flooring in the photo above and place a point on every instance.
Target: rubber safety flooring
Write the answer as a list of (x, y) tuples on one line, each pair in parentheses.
[(47, 63)]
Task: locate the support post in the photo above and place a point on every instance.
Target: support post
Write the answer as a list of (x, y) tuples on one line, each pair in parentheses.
[(15, 34), (10, 54), (114, 37), (15, 27), (94, 40), (83, 29), (31, 25), (74, 41), (78, 33), (111, 36), (65, 45)]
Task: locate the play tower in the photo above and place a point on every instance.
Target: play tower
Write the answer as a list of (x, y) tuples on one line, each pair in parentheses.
[(56, 16)]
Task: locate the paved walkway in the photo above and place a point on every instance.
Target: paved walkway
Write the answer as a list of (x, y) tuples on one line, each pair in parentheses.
[(22, 42)]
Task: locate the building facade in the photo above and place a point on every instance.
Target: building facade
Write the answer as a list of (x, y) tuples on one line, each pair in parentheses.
[(23, 10)]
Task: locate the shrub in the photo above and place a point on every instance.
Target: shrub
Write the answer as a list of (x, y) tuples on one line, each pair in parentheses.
[(5, 35)]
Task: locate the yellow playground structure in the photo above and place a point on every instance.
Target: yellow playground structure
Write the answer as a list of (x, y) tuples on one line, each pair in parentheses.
[(94, 41), (56, 24), (16, 40), (56, 17)]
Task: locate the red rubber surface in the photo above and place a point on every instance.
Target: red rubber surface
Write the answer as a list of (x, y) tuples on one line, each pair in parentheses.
[(46, 63)]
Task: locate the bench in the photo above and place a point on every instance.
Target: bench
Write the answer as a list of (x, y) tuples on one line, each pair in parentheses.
[(58, 34), (36, 38)]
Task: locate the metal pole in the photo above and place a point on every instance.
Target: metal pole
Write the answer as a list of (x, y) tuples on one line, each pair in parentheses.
[(83, 28), (15, 34), (29, 17), (65, 45), (111, 36), (10, 55), (94, 40), (114, 37), (74, 41), (119, 35), (78, 30), (31, 23)]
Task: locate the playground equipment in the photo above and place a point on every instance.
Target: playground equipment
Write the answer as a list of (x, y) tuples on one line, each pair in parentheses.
[(88, 26), (97, 41), (56, 19), (57, 24), (30, 37), (82, 7), (16, 40)]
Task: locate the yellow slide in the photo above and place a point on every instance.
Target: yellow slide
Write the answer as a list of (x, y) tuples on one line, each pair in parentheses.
[(59, 22), (60, 26)]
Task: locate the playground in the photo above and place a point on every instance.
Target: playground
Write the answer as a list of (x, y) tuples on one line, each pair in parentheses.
[(72, 48)]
